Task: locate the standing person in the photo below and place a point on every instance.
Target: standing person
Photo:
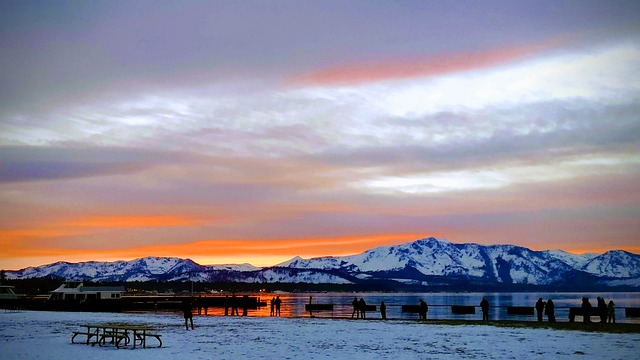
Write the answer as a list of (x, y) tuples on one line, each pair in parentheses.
[(278, 302), (549, 310), (484, 305), (611, 312), (226, 305), (272, 303), (383, 310), (539, 308), (423, 308), (356, 308), (602, 310), (234, 305), (586, 310), (363, 307), (199, 304), (188, 315), (245, 304)]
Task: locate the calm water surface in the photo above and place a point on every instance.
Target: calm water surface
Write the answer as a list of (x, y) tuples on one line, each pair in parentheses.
[(440, 304)]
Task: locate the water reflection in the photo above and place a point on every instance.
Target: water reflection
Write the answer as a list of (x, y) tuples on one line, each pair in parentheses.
[(439, 304)]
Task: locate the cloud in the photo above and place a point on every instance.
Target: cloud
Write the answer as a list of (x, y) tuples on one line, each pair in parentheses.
[(198, 128), (438, 64), (33, 163)]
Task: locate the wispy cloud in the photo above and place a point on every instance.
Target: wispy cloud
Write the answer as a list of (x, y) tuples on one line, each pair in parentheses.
[(356, 122), (33, 163), (437, 64)]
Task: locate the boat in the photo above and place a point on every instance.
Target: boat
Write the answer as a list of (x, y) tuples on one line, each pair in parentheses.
[(75, 296), (70, 296), (8, 297), (7, 293), (75, 290)]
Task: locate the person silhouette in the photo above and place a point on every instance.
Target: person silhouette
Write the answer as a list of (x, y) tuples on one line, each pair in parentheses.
[(602, 310), (278, 302), (272, 304), (611, 312), (539, 308), (245, 304), (549, 310), (383, 310), (199, 304), (356, 308), (363, 307), (234, 305), (484, 306), (586, 310), (423, 308), (187, 313)]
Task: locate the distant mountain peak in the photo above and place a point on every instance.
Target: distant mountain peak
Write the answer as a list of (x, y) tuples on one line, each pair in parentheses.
[(417, 262)]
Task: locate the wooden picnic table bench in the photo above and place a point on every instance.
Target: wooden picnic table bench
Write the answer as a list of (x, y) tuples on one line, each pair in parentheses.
[(118, 334)]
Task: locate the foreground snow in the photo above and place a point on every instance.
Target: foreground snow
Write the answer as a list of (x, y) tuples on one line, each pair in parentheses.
[(46, 335)]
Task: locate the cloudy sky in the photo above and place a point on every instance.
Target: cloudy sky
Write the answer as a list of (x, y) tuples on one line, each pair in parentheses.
[(254, 131)]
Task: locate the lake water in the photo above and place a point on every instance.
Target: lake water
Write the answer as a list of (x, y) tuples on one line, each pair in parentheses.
[(440, 304)]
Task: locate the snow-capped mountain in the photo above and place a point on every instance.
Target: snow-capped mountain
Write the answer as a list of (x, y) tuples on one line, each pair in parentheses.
[(500, 263), (574, 260), (615, 263), (144, 269), (425, 262), (496, 263)]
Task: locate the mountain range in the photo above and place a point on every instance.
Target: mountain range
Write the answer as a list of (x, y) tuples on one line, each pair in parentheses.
[(428, 263)]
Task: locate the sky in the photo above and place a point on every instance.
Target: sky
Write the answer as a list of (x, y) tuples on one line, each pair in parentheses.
[(256, 131)]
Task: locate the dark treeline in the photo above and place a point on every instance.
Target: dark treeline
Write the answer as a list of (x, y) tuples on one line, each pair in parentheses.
[(40, 286)]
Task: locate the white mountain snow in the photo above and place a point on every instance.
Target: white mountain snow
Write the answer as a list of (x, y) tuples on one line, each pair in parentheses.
[(411, 262), (502, 263)]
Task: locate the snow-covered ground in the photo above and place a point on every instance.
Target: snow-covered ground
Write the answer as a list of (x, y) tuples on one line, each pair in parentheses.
[(46, 335)]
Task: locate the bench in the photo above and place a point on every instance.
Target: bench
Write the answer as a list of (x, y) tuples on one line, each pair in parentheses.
[(411, 308), (463, 309), (120, 335), (141, 338), (116, 336), (577, 311), (520, 310), (632, 312), (318, 307), (369, 308), (89, 335)]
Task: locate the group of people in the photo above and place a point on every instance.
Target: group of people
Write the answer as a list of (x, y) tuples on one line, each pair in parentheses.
[(275, 306), (200, 304), (548, 308), (606, 312), (360, 308), (230, 303)]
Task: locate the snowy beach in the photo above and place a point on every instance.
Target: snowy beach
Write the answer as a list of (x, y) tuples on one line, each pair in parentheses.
[(47, 335)]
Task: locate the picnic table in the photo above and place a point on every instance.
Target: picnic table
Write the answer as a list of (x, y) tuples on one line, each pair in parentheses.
[(118, 334)]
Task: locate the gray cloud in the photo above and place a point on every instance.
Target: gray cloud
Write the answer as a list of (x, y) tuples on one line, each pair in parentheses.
[(32, 163), (60, 52), (526, 134)]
